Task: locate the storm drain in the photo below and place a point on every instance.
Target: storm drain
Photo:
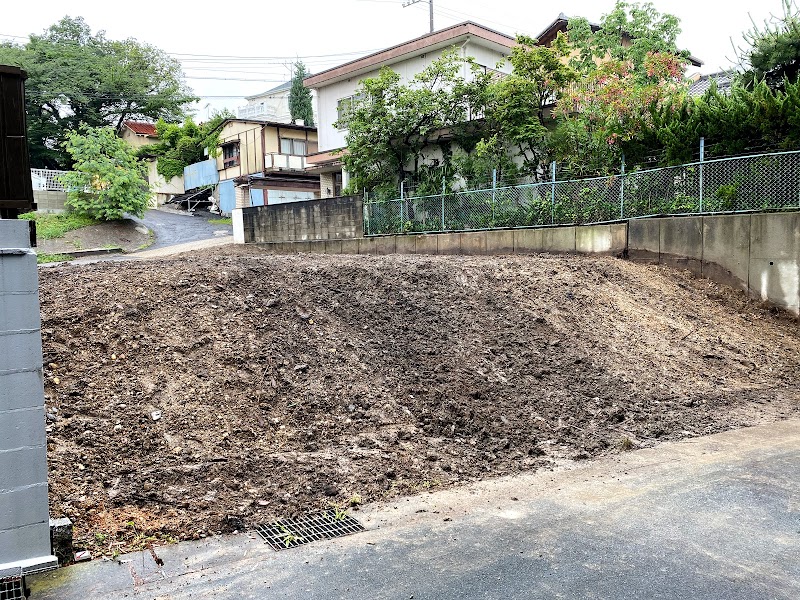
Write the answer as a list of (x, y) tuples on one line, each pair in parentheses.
[(12, 588), (290, 533)]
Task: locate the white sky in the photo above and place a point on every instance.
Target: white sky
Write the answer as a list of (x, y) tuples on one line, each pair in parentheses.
[(267, 33)]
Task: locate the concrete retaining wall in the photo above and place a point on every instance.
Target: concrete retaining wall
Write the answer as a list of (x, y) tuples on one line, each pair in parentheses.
[(759, 253), (600, 239), (326, 219), (24, 518)]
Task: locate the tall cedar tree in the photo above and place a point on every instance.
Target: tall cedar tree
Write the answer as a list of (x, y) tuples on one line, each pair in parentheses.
[(300, 103)]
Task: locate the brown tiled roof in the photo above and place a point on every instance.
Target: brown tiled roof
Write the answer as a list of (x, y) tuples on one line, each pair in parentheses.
[(141, 128), (443, 36)]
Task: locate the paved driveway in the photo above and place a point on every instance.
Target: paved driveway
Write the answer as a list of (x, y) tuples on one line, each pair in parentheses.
[(172, 228), (711, 518)]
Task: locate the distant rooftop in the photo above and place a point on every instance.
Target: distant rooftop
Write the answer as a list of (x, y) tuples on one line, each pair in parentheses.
[(723, 79), (141, 128), (281, 88)]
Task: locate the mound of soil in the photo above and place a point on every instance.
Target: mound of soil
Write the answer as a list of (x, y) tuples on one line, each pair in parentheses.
[(113, 234), (202, 394)]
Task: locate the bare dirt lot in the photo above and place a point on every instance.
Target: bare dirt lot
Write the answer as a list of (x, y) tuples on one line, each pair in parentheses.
[(282, 384)]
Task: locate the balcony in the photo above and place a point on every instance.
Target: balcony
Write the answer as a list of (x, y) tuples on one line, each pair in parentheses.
[(259, 112), (284, 162)]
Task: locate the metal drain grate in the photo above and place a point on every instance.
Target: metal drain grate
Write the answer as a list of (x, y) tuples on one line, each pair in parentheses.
[(12, 588), (290, 533)]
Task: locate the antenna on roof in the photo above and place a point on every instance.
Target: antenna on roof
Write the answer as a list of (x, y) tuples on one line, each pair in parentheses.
[(430, 2)]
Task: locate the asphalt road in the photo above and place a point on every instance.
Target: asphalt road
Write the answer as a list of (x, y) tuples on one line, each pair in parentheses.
[(171, 229), (709, 518)]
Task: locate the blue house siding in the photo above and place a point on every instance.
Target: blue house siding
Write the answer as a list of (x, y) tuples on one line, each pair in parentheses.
[(227, 196), (200, 174)]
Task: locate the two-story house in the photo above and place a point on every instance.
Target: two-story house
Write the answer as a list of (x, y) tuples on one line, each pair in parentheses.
[(269, 157), (336, 87), (272, 105)]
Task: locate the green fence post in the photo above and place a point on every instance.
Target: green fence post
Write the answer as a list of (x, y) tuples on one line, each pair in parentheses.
[(702, 156), (402, 202), (444, 190), (553, 193), (622, 190), (494, 194)]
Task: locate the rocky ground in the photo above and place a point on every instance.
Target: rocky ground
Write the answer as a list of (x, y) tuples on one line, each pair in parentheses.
[(205, 393)]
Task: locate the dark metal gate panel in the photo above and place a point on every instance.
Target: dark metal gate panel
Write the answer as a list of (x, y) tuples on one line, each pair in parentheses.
[(16, 189)]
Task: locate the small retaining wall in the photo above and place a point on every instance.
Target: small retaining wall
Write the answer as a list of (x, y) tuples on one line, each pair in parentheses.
[(325, 219), (759, 252), (50, 201), (600, 239)]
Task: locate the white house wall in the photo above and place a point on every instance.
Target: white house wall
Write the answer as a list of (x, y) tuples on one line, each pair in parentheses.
[(328, 96)]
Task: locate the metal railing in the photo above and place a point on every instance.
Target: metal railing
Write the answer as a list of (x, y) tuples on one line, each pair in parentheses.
[(745, 183), (45, 179)]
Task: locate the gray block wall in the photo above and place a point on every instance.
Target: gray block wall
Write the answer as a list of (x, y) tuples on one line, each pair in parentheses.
[(50, 201), (326, 219), (24, 518)]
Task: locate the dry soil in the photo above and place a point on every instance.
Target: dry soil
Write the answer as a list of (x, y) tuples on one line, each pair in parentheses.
[(205, 393)]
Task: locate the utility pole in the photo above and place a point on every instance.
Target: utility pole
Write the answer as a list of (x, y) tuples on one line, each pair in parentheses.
[(430, 4)]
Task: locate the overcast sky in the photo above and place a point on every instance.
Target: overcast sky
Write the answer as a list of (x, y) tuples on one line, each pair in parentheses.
[(255, 41)]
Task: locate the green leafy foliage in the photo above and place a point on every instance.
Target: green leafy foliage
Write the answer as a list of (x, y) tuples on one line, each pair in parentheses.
[(108, 179), (180, 145), (300, 103), (76, 77), (390, 124), (49, 227)]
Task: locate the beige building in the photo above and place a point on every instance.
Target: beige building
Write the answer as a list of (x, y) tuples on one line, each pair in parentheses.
[(269, 157), (140, 134)]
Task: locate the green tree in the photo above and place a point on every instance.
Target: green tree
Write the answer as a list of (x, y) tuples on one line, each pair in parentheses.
[(390, 124), (300, 101), (107, 180), (629, 33), (75, 76), (184, 144), (517, 104), (773, 54), (628, 67)]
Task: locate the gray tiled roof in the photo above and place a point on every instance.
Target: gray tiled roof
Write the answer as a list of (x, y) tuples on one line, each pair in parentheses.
[(723, 78)]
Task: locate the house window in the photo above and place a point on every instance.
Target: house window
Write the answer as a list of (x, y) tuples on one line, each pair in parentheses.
[(230, 155), (337, 184), (343, 108), (293, 147)]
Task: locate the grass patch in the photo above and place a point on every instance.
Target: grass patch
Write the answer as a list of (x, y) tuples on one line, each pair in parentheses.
[(49, 258), (50, 227), (222, 221)]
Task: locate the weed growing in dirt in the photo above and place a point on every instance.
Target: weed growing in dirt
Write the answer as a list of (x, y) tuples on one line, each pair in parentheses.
[(49, 227), (49, 258), (338, 513), (355, 500), (626, 444), (223, 221)]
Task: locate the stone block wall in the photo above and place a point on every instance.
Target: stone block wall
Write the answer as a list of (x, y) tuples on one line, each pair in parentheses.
[(324, 219)]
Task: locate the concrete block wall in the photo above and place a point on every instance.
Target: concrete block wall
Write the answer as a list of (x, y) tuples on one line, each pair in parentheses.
[(599, 239), (50, 201), (759, 253), (24, 518), (324, 219)]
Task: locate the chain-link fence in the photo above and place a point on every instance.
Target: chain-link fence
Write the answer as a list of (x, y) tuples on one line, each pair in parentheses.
[(762, 182)]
